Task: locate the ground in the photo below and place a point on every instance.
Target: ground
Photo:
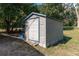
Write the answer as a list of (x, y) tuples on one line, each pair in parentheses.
[(68, 47), (14, 47)]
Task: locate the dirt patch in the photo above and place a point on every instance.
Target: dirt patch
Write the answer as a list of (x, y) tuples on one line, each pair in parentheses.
[(15, 47)]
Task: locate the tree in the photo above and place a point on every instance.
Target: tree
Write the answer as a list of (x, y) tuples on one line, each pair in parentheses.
[(52, 10), (26, 9), (77, 13), (11, 13), (70, 15)]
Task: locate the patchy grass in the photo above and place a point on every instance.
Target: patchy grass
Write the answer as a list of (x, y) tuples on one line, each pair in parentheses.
[(69, 48), (2, 30)]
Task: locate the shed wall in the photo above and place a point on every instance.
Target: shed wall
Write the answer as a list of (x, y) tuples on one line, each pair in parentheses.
[(26, 26), (54, 31), (42, 32)]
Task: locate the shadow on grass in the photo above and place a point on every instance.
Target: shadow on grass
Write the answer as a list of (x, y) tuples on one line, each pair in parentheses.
[(63, 41)]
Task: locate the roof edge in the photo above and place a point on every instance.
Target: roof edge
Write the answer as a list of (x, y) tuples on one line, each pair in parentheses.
[(39, 14), (34, 13)]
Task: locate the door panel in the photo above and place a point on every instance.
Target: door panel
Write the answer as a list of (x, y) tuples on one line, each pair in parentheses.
[(33, 30)]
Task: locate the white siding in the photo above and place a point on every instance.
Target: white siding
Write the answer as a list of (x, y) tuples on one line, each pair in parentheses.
[(27, 31), (42, 32), (33, 30)]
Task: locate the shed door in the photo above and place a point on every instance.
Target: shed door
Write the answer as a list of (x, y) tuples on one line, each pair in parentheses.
[(33, 29)]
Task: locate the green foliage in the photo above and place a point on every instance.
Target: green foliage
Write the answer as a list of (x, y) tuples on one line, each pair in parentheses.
[(53, 10), (11, 14), (68, 27), (69, 15)]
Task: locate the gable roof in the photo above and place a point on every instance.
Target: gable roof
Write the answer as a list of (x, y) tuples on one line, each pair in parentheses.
[(39, 14), (34, 13)]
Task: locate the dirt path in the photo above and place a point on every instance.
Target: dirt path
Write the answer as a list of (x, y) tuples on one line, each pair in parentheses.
[(15, 47)]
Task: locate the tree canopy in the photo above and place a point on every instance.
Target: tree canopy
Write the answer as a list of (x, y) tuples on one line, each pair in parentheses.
[(12, 14), (53, 10)]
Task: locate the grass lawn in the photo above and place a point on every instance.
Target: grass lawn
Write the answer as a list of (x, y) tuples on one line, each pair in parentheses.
[(68, 48)]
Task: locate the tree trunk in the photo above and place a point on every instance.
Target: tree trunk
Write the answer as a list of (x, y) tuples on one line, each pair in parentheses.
[(77, 15), (7, 24), (12, 29)]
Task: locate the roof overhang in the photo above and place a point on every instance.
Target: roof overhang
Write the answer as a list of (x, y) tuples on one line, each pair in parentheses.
[(34, 13)]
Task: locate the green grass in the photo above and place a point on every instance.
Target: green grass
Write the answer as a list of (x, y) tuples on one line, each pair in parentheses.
[(70, 48)]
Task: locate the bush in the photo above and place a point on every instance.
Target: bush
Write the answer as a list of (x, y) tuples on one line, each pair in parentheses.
[(68, 27)]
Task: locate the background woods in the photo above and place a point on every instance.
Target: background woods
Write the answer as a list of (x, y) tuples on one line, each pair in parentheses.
[(12, 15)]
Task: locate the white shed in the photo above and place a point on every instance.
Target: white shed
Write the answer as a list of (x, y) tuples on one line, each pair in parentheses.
[(42, 30)]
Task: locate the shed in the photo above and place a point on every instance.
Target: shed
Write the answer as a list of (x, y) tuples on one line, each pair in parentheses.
[(43, 30)]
